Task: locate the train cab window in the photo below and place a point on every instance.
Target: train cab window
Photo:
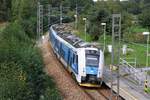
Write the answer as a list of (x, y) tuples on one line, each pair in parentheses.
[(92, 58)]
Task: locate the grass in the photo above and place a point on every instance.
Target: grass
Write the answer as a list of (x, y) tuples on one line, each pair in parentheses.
[(81, 33), (2, 26), (137, 29), (139, 52)]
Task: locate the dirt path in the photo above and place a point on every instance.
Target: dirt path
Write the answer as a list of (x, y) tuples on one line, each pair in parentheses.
[(67, 86)]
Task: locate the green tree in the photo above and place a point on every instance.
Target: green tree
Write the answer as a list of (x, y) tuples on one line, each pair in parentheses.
[(25, 12), (5, 6), (144, 18)]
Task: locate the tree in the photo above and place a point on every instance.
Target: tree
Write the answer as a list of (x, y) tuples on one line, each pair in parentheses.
[(5, 10), (144, 18), (25, 12), (96, 17)]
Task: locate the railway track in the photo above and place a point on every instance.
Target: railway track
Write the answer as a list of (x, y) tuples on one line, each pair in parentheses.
[(94, 94), (102, 93)]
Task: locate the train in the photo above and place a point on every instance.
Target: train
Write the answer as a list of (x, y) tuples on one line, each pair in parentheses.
[(84, 61)]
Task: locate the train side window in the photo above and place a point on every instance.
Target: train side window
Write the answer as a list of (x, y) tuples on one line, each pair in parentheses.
[(60, 49), (68, 56), (75, 59), (75, 62)]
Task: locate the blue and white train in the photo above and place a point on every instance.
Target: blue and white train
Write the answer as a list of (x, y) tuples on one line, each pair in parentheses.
[(84, 61)]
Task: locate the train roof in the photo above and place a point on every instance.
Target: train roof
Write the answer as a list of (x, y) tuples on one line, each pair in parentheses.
[(64, 31)]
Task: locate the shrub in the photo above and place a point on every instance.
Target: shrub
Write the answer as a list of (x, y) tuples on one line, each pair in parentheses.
[(12, 82)]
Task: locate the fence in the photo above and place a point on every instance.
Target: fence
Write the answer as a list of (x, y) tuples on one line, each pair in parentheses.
[(129, 68)]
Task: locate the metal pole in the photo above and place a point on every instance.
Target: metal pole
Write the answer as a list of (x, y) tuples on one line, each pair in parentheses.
[(112, 54), (84, 19), (76, 23), (147, 54), (116, 23), (60, 14), (104, 37), (112, 58), (118, 74), (41, 20), (38, 20), (49, 15), (85, 30)]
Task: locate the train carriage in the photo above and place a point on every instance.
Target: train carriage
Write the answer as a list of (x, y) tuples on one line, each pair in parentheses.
[(83, 60)]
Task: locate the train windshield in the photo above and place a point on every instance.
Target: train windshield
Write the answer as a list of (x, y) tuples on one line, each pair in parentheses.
[(92, 58)]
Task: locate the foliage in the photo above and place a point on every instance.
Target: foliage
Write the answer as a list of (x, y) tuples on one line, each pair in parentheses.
[(18, 51), (134, 34), (134, 8), (5, 7), (96, 17), (51, 92), (147, 90), (144, 18), (19, 54), (12, 81), (25, 13), (137, 29)]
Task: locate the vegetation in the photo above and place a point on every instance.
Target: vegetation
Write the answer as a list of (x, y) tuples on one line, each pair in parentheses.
[(5, 10), (21, 65), (134, 22), (134, 51), (147, 90)]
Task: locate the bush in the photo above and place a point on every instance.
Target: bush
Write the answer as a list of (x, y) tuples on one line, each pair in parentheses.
[(134, 34), (12, 82)]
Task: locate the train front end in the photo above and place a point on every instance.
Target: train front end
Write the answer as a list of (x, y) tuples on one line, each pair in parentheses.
[(91, 63)]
